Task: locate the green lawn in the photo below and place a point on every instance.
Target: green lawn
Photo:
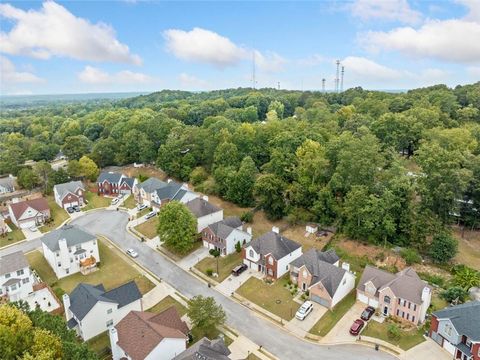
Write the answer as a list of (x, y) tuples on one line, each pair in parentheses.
[(113, 271), (437, 302), (12, 237), (99, 343), (225, 265), (95, 201), (166, 303), (406, 340), (143, 212), (272, 297), (57, 214), (331, 317), (130, 203), (148, 228), (178, 255)]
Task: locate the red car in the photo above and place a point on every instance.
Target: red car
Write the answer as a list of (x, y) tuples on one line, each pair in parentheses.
[(357, 326), (367, 313)]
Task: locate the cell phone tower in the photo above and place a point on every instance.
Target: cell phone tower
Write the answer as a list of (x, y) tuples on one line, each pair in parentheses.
[(323, 85), (341, 78), (337, 80)]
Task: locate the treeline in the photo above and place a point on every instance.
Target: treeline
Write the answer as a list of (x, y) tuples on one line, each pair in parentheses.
[(388, 168)]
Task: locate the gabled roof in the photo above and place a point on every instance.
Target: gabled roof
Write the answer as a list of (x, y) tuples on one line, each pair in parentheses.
[(140, 332), (224, 228), (168, 191), (72, 233), (405, 284), (151, 184), (70, 187), (13, 262), (200, 207), (19, 208), (205, 349), (111, 177), (465, 318), (320, 266), (128, 180), (275, 244), (84, 297), (179, 195)]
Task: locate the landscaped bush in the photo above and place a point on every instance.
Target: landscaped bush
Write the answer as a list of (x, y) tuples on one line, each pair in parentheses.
[(411, 256), (393, 331), (455, 293), (247, 216), (209, 272)]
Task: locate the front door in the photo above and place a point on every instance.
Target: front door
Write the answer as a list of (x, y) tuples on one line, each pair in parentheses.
[(385, 310)]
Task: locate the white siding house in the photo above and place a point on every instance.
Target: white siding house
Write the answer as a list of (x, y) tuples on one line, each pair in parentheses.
[(16, 279), (205, 212)]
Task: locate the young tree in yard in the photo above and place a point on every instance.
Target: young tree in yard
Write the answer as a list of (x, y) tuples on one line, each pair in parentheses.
[(27, 179), (443, 248), (177, 227), (88, 168), (204, 313)]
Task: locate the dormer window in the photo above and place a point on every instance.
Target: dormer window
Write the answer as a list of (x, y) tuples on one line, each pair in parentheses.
[(448, 329)]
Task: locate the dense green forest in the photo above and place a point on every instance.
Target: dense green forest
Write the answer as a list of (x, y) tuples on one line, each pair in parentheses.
[(382, 167)]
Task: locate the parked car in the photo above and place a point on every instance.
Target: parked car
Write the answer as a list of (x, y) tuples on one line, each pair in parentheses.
[(33, 229), (304, 310), (150, 214), (76, 208), (367, 313), (237, 270), (140, 207), (115, 201), (132, 253), (357, 326), (70, 210)]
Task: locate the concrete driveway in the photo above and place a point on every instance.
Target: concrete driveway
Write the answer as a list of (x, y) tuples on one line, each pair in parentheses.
[(340, 331), (232, 283), (429, 349), (303, 326), (29, 235)]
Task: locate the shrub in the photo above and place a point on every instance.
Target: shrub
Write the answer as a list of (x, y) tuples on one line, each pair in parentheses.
[(393, 331), (307, 293), (247, 216), (289, 282), (443, 248), (209, 272), (411, 256), (238, 247), (454, 293), (207, 187), (380, 256), (198, 175)]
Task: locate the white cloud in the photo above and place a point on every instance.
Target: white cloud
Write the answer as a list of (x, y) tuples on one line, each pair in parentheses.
[(54, 31), (92, 75), (363, 68), (388, 10), (205, 46), (270, 61), (10, 75), (313, 60), (192, 82), (474, 71), (473, 9)]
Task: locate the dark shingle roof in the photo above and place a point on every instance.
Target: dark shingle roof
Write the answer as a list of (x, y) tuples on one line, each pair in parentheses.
[(275, 244), (129, 181), (179, 195), (168, 191), (111, 177), (320, 265), (85, 296), (465, 318), (205, 349), (13, 262), (70, 187), (72, 323), (225, 227), (200, 207), (72, 233), (151, 184)]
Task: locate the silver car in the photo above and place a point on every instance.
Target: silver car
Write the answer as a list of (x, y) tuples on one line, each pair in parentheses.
[(132, 253)]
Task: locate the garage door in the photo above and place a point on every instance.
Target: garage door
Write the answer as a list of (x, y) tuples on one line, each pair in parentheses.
[(449, 347), (366, 300), (27, 224), (320, 300)]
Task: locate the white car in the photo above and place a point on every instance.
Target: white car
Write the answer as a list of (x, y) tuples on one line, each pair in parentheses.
[(304, 310), (132, 253), (115, 201), (150, 214), (141, 207)]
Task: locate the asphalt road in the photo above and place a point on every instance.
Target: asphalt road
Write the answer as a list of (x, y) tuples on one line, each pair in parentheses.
[(276, 340)]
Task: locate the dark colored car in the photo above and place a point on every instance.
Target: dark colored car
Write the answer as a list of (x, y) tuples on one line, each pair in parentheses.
[(357, 326), (76, 208), (237, 270), (70, 210), (367, 313)]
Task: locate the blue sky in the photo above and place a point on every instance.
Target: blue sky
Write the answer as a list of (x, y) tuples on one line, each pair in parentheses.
[(92, 46)]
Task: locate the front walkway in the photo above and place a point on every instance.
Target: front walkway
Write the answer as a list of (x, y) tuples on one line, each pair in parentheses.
[(340, 332), (302, 327), (191, 259)]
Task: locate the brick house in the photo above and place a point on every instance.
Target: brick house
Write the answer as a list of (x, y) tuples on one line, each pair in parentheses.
[(225, 234), (403, 294), (319, 273), (457, 330), (271, 254), (113, 184), (28, 213), (69, 194)]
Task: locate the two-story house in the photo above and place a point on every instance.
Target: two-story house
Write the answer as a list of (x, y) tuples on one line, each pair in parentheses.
[(69, 194), (403, 294), (319, 273), (271, 254), (91, 310), (143, 191), (143, 335), (29, 213), (171, 191), (16, 280), (69, 250), (457, 330), (206, 349), (114, 184), (206, 213), (225, 234)]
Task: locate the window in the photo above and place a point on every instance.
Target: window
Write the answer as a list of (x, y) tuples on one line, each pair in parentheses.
[(414, 307), (58, 264), (91, 251), (251, 253), (109, 311), (26, 280), (109, 323), (404, 302), (413, 318), (71, 260), (403, 314), (78, 247), (270, 260), (448, 329), (57, 254), (399, 300), (67, 271), (398, 312), (70, 250), (20, 272), (386, 299), (408, 316), (468, 342), (7, 275), (13, 287), (409, 304)]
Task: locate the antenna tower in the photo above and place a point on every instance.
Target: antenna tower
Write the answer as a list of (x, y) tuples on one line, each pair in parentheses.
[(278, 85), (341, 79), (323, 85), (336, 76)]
